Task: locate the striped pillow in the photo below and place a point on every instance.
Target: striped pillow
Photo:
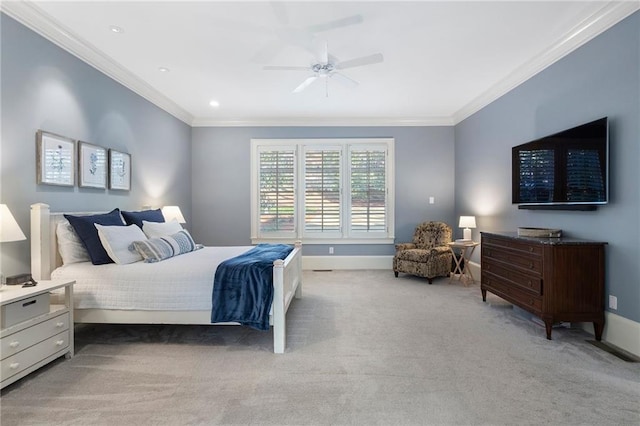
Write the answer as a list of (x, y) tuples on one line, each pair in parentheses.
[(161, 248)]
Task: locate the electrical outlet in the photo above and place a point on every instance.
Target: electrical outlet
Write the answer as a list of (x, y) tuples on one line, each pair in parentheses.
[(432, 200), (330, 250), (613, 302)]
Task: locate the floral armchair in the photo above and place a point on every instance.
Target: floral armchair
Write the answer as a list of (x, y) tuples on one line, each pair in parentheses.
[(428, 255)]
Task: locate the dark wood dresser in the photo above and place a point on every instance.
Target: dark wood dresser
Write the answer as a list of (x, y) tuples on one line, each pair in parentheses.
[(557, 279)]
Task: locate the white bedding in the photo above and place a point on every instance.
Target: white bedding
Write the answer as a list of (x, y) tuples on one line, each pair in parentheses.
[(181, 283)]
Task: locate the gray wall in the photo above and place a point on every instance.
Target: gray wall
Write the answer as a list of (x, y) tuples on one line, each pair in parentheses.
[(44, 87), (220, 166), (602, 78)]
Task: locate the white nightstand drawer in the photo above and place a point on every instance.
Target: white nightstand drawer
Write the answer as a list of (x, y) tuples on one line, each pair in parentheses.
[(36, 353), (17, 342), (22, 310)]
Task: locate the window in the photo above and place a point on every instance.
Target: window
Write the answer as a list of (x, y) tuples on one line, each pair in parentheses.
[(345, 190)]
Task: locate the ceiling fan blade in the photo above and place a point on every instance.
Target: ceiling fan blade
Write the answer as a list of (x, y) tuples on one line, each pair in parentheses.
[(305, 84), (280, 12), (347, 81), (324, 58), (284, 68), (349, 20), (358, 62)]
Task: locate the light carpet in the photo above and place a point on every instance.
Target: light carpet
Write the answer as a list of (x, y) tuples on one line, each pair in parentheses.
[(364, 348)]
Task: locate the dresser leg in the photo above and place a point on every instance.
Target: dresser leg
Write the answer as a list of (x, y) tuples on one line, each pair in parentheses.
[(484, 294), (548, 325), (598, 327)]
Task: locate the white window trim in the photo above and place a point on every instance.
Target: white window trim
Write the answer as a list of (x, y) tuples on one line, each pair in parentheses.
[(347, 236)]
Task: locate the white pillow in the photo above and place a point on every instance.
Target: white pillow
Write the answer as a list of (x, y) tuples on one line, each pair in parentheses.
[(160, 229), (116, 241), (69, 244)]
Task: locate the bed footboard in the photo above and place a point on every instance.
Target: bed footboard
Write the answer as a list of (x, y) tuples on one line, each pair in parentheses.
[(287, 284)]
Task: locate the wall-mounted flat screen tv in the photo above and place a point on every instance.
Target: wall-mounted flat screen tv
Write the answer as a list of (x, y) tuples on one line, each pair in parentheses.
[(569, 168)]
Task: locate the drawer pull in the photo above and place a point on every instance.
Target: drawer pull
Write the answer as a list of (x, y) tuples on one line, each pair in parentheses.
[(14, 365), (530, 249), (14, 344), (59, 324), (530, 265), (31, 302), (531, 301), (59, 342)]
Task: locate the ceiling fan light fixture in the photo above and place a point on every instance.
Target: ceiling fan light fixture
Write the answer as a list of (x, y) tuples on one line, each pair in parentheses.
[(163, 69), (116, 29), (214, 103)]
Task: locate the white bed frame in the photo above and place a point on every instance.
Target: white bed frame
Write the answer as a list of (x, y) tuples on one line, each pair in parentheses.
[(287, 283)]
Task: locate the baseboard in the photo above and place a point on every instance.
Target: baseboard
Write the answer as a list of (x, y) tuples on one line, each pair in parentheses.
[(347, 262), (619, 331)]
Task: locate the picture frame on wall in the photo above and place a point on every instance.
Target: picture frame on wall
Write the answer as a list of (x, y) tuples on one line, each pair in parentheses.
[(92, 165), (55, 159), (119, 170)]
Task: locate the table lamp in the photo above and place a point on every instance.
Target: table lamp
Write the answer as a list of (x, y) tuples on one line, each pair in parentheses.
[(173, 212), (467, 222), (9, 229)]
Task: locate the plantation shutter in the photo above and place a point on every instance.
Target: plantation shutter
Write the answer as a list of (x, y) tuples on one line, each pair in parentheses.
[(368, 182), (277, 191), (322, 193)]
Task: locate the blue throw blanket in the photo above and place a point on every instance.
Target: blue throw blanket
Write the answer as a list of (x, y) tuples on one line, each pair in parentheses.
[(243, 286)]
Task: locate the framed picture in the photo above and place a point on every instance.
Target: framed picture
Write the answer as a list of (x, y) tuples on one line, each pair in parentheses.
[(55, 159), (92, 165), (119, 170)]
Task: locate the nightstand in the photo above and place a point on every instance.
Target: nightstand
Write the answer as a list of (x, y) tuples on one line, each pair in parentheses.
[(466, 249), (33, 331)]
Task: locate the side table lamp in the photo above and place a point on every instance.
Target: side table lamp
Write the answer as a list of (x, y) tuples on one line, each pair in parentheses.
[(467, 222)]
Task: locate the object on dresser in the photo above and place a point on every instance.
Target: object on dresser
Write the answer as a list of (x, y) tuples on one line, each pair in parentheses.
[(539, 232), (20, 279)]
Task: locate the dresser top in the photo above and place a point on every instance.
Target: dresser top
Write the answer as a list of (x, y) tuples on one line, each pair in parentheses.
[(543, 240)]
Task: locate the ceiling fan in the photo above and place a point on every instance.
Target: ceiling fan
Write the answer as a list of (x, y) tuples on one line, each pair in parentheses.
[(329, 66)]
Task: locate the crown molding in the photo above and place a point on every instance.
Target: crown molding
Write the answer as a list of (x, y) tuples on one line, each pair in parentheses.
[(36, 20), (324, 122), (609, 15)]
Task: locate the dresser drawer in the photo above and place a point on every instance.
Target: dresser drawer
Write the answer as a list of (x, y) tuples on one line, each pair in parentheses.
[(532, 263), (517, 296), (22, 310), (528, 282), (17, 342), (30, 356)]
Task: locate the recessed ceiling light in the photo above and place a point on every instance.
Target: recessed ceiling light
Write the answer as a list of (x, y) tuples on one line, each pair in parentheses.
[(163, 69), (214, 104), (116, 29)]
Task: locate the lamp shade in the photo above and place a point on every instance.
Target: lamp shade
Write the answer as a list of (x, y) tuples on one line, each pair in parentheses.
[(9, 228), (467, 222), (173, 212)]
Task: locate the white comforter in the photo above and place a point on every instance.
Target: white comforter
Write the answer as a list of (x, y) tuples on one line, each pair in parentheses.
[(181, 283)]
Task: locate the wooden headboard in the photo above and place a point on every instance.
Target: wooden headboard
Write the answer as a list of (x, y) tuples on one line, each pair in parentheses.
[(45, 256)]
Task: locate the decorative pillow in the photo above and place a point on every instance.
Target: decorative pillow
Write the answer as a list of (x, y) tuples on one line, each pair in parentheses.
[(154, 229), (136, 218), (88, 234), (157, 249), (117, 242), (69, 245)]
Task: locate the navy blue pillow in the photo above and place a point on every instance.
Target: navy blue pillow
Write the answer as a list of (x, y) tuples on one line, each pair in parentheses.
[(136, 218), (86, 230)]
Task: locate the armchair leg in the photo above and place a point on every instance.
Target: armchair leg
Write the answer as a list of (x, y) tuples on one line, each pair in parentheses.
[(395, 273), (430, 280)]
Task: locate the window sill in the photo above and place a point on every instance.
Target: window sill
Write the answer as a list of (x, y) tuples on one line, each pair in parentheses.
[(332, 241)]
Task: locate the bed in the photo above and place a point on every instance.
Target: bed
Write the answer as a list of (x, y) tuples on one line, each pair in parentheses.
[(133, 294)]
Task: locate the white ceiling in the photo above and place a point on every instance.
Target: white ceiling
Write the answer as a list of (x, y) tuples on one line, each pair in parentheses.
[(443, 60)]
